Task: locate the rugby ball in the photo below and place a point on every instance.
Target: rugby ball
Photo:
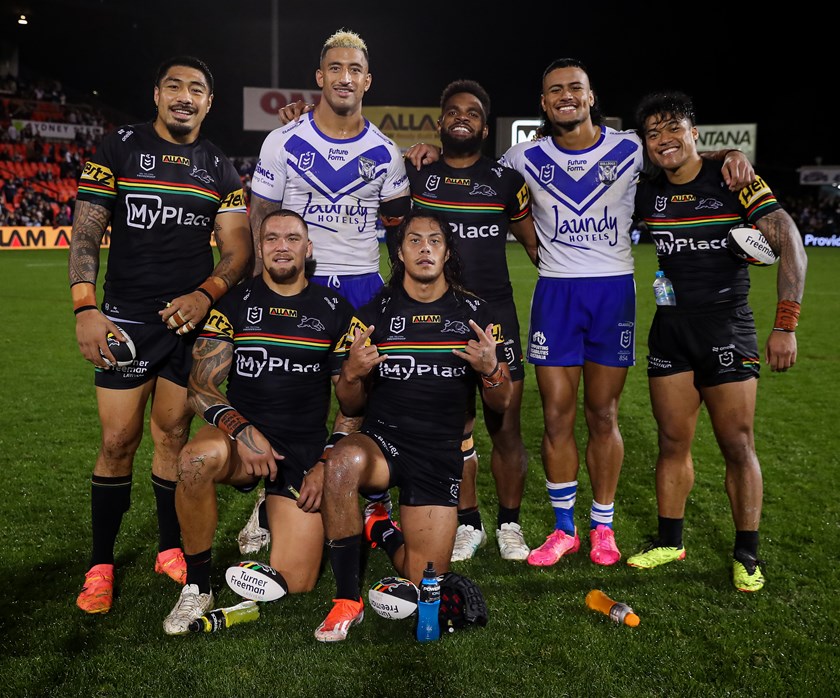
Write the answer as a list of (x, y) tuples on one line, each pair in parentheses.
[(256, 581), (394, 597), (750, 245), (124, 352)]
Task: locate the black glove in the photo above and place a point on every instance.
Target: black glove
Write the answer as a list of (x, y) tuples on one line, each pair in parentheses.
[(461, 603)]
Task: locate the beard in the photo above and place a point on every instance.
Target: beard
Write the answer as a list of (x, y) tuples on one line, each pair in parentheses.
[(280, 276), (177, 129), (460, 146)]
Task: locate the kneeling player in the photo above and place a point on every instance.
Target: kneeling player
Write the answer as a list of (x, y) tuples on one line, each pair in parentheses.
[(273, 339), (417, 351)]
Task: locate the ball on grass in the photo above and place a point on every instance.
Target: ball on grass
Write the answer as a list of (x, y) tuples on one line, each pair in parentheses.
[(394, 598)]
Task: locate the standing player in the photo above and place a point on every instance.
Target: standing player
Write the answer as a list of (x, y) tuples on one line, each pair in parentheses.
[(582, 178), (273, 340), (704, 349), (418, 351), (163, 190), (482, 202), (342, 174)]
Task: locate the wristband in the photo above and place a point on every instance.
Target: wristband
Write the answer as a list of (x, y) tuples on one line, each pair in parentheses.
[(787, 316), (489, 379), (83, 297), (83, 308), (206, 293), (213, 413), (495, 378), (214, 287), (232, 423)]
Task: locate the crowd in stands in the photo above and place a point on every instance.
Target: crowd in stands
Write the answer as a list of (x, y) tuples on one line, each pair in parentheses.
[(38, 176)]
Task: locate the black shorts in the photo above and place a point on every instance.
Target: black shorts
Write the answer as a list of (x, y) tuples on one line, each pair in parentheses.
[(428, 473), (299, 457), (719, 345), (160, 353), (505, 313)]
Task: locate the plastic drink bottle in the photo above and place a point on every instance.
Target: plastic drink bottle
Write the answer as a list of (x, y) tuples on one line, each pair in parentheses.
[(428, 625), (663, 290), (221, 618), (597, 600)]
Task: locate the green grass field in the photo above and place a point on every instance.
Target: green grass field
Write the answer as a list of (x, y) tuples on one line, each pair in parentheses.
[(697, 637)]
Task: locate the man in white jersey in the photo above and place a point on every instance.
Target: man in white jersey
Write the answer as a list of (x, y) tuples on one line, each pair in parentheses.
[(582, 176), (341, 174), (583, 179)]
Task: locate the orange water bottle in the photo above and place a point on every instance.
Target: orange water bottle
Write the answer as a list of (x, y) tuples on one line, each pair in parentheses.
[(597, 600)]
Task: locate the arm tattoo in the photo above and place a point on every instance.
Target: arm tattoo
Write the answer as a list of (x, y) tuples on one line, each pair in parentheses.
[(235, 263), (786, 240), (211, 364), (89, 224), (244, 437)]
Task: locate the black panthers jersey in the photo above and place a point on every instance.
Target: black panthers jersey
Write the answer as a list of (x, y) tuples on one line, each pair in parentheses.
[(283, 355), (478, 201), (163, 199), (689, 223), (423, 389)]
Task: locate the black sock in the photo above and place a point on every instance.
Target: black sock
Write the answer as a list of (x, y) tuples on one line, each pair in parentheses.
[(670, 532), (169, 531), (199, 567), (507, 516), (470, 517), (746, 543), (263, 514), (344, 559), (392, 540), (110, 498)]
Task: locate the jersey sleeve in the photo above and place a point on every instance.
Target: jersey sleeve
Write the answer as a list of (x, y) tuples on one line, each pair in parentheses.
[(484, 316), (269, 179), (758, 200), (219, 324), (231, 189), (519, 202), (98, 181), (396, 179), (343, 317)]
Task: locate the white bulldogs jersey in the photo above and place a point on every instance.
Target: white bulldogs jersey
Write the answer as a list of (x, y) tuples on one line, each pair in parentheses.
[(336, 185), (582, 202)]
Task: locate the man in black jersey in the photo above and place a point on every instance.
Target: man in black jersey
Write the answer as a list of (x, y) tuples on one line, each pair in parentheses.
[(704, 349), (273, 339), (483, 201), (163, 190), (418, 349)]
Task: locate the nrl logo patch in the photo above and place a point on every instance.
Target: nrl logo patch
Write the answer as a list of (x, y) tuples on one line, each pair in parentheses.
[(147, 162), (397, 325)]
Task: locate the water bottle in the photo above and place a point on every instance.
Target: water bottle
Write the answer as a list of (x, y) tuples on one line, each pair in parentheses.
[(221, 618), (663, 290), (428, 625), (619, 613)]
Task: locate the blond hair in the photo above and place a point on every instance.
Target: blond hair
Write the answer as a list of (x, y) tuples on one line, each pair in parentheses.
[(344, 38)]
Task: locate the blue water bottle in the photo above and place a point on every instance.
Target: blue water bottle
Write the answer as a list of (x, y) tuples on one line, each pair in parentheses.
[(428, 625)]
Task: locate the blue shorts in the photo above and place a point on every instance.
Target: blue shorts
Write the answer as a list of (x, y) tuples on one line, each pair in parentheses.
[(356, 288), (584, 319)]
